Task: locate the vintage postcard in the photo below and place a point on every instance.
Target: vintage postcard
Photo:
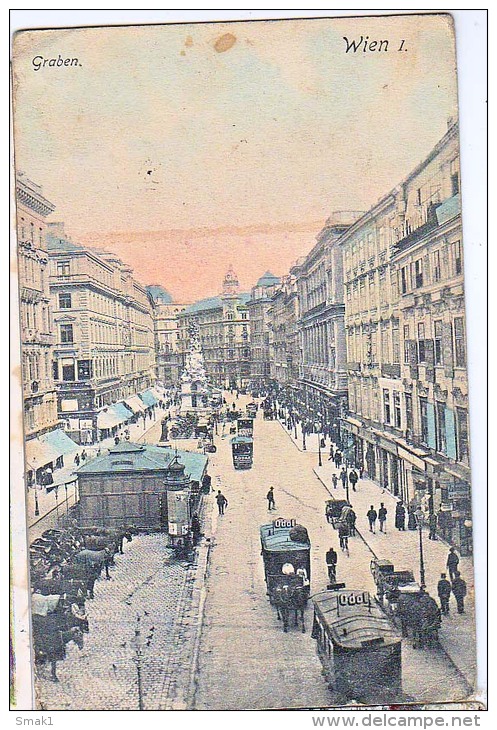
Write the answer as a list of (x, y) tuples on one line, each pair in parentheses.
[(244, 460)]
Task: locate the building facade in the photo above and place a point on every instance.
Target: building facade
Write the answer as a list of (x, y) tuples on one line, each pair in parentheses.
[(258, 307), (407, 423), (284, 351), (166, 332), (37, 340), (224, 330), (322, 367), (104, 329)]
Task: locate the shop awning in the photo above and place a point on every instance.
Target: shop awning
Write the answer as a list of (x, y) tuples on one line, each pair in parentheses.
[(108, 418), (60, 441), (135, 404), (39, 454), (148, 398), (122, 411)]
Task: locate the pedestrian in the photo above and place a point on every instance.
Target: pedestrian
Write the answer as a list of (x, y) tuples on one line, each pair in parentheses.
[(353, 479), (343, 477), (343, 535), (270, 499), (334, 479), (76, 460), (432, 521), (351, 520), (332, 453), (444, 590), (222, 502), (400, 516), (331, 563), (452, 562), (459, 591), (382, 517), (371, 515), (116, 440), (338, 459), (196, 529), (412, 523), (83, 455)]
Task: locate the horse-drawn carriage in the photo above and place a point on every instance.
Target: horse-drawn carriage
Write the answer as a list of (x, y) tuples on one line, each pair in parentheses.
[(64, 565), (359, 646), (336, 511), (409, 605), (285, 553)]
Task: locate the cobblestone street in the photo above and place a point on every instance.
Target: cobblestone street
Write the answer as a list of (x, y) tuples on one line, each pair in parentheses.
[(144, 579)]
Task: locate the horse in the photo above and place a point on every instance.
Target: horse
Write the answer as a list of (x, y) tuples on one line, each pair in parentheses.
[(288, 598), (420, 614), (55, 624)]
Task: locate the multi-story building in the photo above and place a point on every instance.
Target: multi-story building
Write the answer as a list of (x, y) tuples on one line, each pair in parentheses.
[(284, 349), (373, 343), (103, 323), (169, 364), (322, 367), (428, 276), (39, 394), (224, 330), (258, 306), (405, 322)]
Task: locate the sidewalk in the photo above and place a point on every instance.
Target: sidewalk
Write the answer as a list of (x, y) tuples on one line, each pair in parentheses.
[(457, 635), (311, 440)]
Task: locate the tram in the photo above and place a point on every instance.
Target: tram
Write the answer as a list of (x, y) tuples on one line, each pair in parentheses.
[(242, 451), (359, 646), (245, 427)]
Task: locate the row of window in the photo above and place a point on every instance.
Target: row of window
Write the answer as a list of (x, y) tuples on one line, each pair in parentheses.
[(431, 268), (442, 434), (446, 346)]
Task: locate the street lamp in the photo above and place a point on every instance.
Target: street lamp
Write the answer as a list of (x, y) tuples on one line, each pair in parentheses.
[(303, 427), (57, 503), (419, 521), (318, 428), (37, 506)]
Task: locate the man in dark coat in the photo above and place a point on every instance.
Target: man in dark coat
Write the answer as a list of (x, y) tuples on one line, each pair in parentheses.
[(338, 458), (331, 562), (222, 502), (444, 590), (459, 591), (351, 520), (343, 477), (432, 521), (371, 515), (382, 516), (270, 499), (353, 479), (452, 563)]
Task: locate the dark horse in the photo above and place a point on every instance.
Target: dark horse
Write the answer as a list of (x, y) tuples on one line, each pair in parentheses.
[(290, 597), (52, 632)]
